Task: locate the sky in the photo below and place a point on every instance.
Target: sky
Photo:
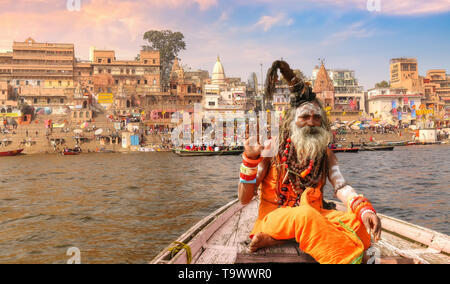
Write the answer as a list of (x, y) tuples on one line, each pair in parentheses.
[(361, 35)]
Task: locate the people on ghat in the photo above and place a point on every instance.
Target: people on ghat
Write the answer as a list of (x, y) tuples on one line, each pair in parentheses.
[(291, 185)]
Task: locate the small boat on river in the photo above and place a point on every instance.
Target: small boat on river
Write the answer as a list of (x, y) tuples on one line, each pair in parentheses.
[(191, 153), (222, 238), (11, 153), (348, 150), (70, 152), (376, 148)]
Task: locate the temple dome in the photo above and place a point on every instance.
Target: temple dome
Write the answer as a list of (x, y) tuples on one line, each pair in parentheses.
[(218, 75)]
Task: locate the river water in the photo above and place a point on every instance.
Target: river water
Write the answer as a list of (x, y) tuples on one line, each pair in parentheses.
[(125, 208)]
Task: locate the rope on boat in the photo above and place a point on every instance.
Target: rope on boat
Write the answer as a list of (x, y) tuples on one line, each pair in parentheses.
[(179, 246)]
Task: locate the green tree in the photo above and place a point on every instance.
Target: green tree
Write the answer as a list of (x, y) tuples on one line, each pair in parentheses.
[(169, 45), (382, 84)]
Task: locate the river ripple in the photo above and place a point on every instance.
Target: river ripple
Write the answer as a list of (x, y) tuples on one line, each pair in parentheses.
[(125, 208)]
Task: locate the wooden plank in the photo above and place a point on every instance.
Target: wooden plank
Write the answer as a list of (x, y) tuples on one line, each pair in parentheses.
[(274, 258), (218, 255), (193, 231), (201, 238), (435, 240), (229, 236)]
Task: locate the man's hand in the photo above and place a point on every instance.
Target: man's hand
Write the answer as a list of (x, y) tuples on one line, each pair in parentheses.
[(372, 223), (252, 148)]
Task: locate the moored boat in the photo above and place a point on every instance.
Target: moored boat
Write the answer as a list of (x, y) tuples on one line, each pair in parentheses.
[(376, 148), (11, 153), (69, 152), (394, 143), (222, 238), (348, 150), (190, 153)]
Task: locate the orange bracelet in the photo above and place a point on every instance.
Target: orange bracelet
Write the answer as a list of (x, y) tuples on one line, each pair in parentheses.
[(250, 161)]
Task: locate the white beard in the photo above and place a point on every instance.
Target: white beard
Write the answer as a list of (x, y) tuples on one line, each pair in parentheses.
[(310, 142)]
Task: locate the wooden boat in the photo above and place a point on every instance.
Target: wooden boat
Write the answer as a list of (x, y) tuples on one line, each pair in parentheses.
[(222, 238), (188, 153), (376, 148), (11, 153), (71, 152), (394, 143), (348, 150)]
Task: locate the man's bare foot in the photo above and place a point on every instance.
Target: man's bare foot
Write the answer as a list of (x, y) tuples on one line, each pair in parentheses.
[(262, 240)]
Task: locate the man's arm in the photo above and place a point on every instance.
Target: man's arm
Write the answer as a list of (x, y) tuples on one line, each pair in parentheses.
[(342, 190), (246, 191), (345, 192)]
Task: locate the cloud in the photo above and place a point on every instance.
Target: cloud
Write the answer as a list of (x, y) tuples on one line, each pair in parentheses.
[(389, 7), (355, 30), (267, 22)]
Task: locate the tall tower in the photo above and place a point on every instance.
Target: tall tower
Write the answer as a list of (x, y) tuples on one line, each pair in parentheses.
[(323, 87), (218, 74), (404, 74)]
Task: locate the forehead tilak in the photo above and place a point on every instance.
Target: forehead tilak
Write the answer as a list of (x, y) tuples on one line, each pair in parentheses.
[(308, 109)]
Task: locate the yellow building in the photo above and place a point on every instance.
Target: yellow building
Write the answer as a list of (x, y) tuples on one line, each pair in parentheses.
[(404, 74), (437, 95), (35, 66)]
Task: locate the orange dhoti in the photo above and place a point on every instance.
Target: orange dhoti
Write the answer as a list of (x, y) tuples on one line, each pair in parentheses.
[(329, 236)]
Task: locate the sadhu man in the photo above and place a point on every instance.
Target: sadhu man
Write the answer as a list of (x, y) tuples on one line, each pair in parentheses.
[(291, 185)]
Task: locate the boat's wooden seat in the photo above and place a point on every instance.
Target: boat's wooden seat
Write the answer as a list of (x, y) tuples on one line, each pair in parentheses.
[(288, 252)]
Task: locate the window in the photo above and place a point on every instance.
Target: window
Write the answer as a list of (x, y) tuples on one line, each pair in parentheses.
[(154, 61), (109, 60), (48, 101), (17, 82), (61, 101), (109, 71), (145, 82), (212, 103), (138, 82), (35, 100), (117, 82), (38, 83), (59, 83), (145, 61), (154, 81), (99, 60), (26, 83)]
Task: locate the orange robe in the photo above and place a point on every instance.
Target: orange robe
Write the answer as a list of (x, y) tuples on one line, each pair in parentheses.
[(329, 236)]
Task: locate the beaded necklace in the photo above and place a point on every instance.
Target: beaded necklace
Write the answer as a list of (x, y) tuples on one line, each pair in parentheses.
[(298, 176)]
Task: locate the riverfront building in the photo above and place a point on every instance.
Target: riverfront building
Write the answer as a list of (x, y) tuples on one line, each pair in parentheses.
[(226, 96), (394, 104)]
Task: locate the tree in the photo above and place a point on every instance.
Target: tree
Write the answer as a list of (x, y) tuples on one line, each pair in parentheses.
[(169, 45), (382, 84)]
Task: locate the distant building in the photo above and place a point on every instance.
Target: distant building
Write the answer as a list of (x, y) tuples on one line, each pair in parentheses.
[(394, 104), (32, 68), (348, 94), (223, 95), (404, 74), (323, 86), (437, 95)]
